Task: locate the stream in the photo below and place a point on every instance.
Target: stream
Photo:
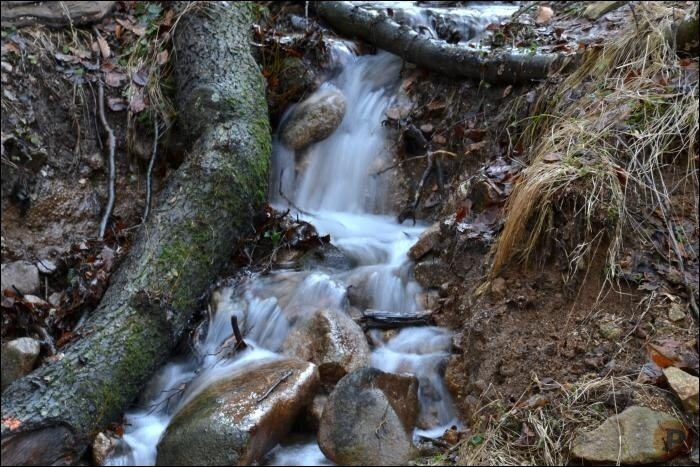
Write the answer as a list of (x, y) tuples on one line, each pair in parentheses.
[(336, 193)]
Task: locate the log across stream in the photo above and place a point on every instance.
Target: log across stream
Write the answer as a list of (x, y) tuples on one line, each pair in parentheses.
[(330, 183)]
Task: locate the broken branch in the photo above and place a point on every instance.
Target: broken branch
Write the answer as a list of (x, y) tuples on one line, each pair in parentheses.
[(112, 166)]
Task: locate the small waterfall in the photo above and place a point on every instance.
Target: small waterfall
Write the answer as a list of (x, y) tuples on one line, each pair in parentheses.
[(331, 182)]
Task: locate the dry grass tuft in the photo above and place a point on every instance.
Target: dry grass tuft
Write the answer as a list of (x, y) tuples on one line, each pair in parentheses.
[(543, 434), (602, 145)]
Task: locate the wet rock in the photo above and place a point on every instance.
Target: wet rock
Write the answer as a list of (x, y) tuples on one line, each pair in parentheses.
[(315, 411), (597, 9), (430, 299), (46, 266), (295, 79), (314, 119), (483, 193), (35, 301), (646, 435), (369, 419), (325, 256), (685, 386), (427, 241), (55, 299), (102, 446), (432, 273), (236, 420), (330, 339), (21, 274), (19, 356)]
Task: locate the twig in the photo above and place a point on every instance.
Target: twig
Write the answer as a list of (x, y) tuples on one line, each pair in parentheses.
[(433, 166), (112, 166), (286, 375), (398, 164), (149, 172), (291, 203)]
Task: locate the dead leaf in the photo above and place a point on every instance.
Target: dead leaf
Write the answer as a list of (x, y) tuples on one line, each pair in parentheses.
[(65, 338), (118, 31), (461, 214), (507, 91), (436, 105), (622, 175), (168, 17), (544, 15), (476, 146), (527, 436), (81, 53), (137, 103), (162, 57), (107, 256), (670, 352), (9, 47), (66, 58), (114, 79), (116, 104), (552, 157), (475, 134), (135, 28), (104, 47), (11, 423)]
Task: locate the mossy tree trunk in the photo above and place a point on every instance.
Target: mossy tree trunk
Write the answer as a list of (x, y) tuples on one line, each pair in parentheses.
[(51, 416)]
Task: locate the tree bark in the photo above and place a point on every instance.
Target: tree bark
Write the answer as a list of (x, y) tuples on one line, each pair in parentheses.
[(50, 416), (57, 14), (381, 31)]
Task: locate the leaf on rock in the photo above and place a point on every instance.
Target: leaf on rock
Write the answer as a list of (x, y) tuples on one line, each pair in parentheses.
[(140, 77), (137, 103)]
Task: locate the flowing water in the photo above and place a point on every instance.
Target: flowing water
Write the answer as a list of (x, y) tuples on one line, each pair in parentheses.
[(334, 188)]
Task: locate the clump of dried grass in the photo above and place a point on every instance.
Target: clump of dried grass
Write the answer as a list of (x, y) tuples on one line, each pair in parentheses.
[(608, 150), (552, 427)]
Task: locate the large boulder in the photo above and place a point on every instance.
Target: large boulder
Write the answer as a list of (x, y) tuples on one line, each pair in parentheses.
[(236, 420), (19, 357), (314, 119), (638, 435), (369, 419), (23, 275), (330, 339)]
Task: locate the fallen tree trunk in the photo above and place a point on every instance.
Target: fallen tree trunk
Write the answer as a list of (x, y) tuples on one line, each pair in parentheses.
[(50, 416), (381, 31), (57, 14), (380, 319)]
